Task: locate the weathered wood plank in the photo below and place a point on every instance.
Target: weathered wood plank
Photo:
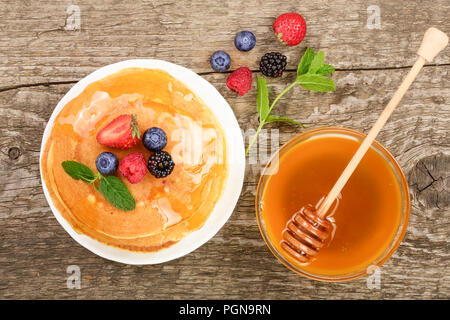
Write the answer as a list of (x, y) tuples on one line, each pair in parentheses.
[(35, 251), (36, 48)]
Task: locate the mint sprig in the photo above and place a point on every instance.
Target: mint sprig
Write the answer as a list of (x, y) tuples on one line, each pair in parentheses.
[(305, 61), (311, 75), (79, 171), (117, 193), (111, 187), (316, 82)]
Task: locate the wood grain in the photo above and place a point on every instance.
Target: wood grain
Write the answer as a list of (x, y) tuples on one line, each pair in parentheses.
[(40, 61), (35, 47)]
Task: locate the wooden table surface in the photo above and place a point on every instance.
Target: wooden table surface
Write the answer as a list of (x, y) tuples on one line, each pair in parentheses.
[(40, 60)]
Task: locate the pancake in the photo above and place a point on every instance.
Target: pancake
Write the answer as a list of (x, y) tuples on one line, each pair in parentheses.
[(167, 209)]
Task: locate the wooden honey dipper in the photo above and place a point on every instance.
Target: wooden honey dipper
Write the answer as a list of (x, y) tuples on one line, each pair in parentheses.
[(309, 229)]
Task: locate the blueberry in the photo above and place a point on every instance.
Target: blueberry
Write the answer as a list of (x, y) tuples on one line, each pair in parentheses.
[(220, 61), (107, 163), (245, 41), (154, 139)]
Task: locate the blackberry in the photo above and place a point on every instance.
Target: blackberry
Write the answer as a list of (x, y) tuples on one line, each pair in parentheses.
[(160, 164), (272, 64)]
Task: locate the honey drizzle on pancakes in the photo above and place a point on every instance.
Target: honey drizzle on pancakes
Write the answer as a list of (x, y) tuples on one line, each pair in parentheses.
[(166, 209)]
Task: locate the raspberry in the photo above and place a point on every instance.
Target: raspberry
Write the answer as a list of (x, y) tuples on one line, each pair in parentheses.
[(133, 167), (273, 64), (240, 80)]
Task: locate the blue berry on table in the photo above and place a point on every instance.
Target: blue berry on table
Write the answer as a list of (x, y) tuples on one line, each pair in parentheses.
[(245, 41), (220, 61)]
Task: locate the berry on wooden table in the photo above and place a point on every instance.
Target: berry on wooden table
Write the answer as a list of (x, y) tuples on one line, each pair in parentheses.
[(273, 64), (240, 80), (289, 28), (220, 61), (245, 41)]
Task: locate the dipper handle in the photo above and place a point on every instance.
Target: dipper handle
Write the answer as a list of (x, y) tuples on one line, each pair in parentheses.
[(433, 42)]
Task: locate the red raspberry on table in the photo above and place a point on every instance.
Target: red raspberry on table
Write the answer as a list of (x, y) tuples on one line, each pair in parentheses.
[(240, 80), (133, 167), (289, 28)]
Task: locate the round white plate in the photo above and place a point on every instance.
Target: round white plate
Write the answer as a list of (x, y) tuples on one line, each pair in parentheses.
[(236, 160)]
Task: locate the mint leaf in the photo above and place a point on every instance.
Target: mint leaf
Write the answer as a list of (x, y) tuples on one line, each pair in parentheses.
[(271, 118), (117, 193), (79, 171), (262, 98), (311, 72), (317, 62), (111, 187), (305, 61), (316, 82), (325, 69)]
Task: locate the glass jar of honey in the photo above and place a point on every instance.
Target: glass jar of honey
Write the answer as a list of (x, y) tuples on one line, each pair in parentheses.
[(372, 213)]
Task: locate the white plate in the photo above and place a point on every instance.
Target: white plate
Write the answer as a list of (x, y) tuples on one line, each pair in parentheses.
[(236, 159)]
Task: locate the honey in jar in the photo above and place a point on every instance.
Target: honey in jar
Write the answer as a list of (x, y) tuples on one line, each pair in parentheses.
[(370, 218)]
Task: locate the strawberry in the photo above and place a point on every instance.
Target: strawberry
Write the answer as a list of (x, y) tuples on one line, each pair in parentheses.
[(289, 28), (122, 132), (240, 80)]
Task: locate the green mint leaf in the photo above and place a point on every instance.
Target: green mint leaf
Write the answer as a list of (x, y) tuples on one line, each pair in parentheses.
[(79, 171), (325, 69), (117, 193), (311, 72), (262, 99), (271, 118), (317, 62), (316, 82), (305, 61)]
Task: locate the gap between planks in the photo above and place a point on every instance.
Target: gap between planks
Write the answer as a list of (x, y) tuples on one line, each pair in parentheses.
[(52, 83)]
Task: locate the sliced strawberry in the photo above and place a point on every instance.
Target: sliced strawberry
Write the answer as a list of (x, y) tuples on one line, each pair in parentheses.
[(122, 132)]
